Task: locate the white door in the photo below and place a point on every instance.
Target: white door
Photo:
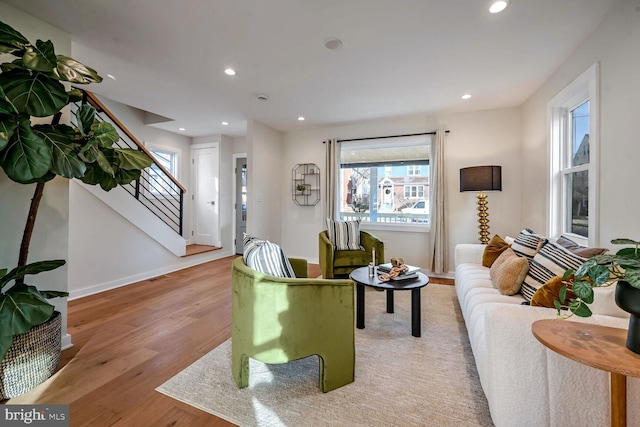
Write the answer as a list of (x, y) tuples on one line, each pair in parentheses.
[(206, 187)]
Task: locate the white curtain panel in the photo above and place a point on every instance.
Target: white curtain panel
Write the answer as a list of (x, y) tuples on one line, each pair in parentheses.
[(330, 177), (437, 253)]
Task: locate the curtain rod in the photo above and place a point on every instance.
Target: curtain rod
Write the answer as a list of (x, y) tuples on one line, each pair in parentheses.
[(389, 136)]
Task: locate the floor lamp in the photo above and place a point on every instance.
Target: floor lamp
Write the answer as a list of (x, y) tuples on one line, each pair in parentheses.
[(481, 179)]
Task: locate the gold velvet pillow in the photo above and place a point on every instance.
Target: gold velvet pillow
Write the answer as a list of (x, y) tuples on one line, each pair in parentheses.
[(493, 250), (550, 291), (508, 272)]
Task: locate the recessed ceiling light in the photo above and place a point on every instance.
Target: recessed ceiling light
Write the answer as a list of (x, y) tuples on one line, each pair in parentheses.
[(230, 72), (182, 129), (225, 123), (333, 43), (300, 118), (498, 5), (262, 97), (111, 76), (466, 96)]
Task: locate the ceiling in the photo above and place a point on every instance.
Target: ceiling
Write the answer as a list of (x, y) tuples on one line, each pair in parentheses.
[(397, 57)]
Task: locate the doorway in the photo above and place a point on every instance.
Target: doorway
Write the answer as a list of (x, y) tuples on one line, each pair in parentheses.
[(241, 202), (206, 189)]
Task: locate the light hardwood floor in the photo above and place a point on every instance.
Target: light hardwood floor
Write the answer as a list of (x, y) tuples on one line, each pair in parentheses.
[(130, 340)]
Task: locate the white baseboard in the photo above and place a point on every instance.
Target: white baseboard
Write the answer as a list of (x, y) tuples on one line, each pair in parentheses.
[(66, 342), (450, 275), (180, 265)]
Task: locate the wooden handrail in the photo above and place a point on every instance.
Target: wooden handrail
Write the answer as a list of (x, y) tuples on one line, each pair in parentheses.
[(98, 105)]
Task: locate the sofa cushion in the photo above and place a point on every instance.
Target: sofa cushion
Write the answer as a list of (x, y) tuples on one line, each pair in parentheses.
[(527, 243), (508, 272), (550, 292), (551, 260), (582, 251), (344, 235), (352, 259), (492, 251), (266, 257)]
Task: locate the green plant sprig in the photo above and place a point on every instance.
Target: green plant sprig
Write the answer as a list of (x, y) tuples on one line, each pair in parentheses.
[(598, 271)]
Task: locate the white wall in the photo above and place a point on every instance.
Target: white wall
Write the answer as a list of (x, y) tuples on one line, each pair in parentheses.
[(615, 45), (227, 177), (264, 181), (240, 145), (477, 138), (490, 137), (50, 235)]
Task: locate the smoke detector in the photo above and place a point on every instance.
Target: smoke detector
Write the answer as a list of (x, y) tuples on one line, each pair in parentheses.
[(333, 43), (262, 97)]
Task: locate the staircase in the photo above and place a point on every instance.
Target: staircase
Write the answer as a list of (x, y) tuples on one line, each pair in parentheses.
[(157, 191)]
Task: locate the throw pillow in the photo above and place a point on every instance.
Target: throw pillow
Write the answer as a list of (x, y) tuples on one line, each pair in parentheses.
[(508, 271), (528, 243), (345, 235), (582, 251), (493, 250), (550, 292), (551, 260), (266, 257)]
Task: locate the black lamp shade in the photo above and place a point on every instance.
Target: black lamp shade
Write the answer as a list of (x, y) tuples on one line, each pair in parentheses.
[(481, 178)]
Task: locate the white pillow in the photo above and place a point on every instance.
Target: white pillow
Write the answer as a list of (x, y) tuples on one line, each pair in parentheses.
[(345, 235), (551, 260), (604, 302), (527, 243), (266, 257)]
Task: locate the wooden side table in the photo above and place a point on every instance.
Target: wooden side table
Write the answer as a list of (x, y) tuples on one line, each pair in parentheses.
[(598, 346)]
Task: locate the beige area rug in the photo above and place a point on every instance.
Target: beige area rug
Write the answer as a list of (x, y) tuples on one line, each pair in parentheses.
[(400, 380)]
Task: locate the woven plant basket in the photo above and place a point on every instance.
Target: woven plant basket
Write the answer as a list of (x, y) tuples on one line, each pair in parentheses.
[(31, 359)]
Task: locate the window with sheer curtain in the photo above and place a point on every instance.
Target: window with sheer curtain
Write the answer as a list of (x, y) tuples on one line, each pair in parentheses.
[(380, 180)]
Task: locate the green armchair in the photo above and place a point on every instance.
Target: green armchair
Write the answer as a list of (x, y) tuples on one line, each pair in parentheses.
[(277, 320), (339, 264)]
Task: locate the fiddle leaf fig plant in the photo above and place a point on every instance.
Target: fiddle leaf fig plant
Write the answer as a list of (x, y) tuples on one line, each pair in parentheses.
[(23, 306), (598, 271), (31, 85)]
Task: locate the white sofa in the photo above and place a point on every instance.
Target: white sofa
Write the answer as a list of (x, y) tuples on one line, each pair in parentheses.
[(527, 384)]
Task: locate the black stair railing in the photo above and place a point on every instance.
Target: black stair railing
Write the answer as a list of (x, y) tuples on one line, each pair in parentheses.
[(157, 189)]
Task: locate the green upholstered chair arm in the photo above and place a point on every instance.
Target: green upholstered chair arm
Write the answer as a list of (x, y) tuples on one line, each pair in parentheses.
[(369, 242), (325, 255), (300, 267)]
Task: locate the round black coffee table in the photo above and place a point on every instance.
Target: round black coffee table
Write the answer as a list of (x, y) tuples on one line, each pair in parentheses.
[(362, 279)]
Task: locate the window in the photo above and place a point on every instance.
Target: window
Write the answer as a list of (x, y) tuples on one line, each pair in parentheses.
[(413, 170), (413, 191), (573, 172), (380, 177), (158, 184)]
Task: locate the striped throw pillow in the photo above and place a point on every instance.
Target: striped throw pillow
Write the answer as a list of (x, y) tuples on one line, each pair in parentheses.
[(552, 260), (345, 235), (527, 243), (266, 257)]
